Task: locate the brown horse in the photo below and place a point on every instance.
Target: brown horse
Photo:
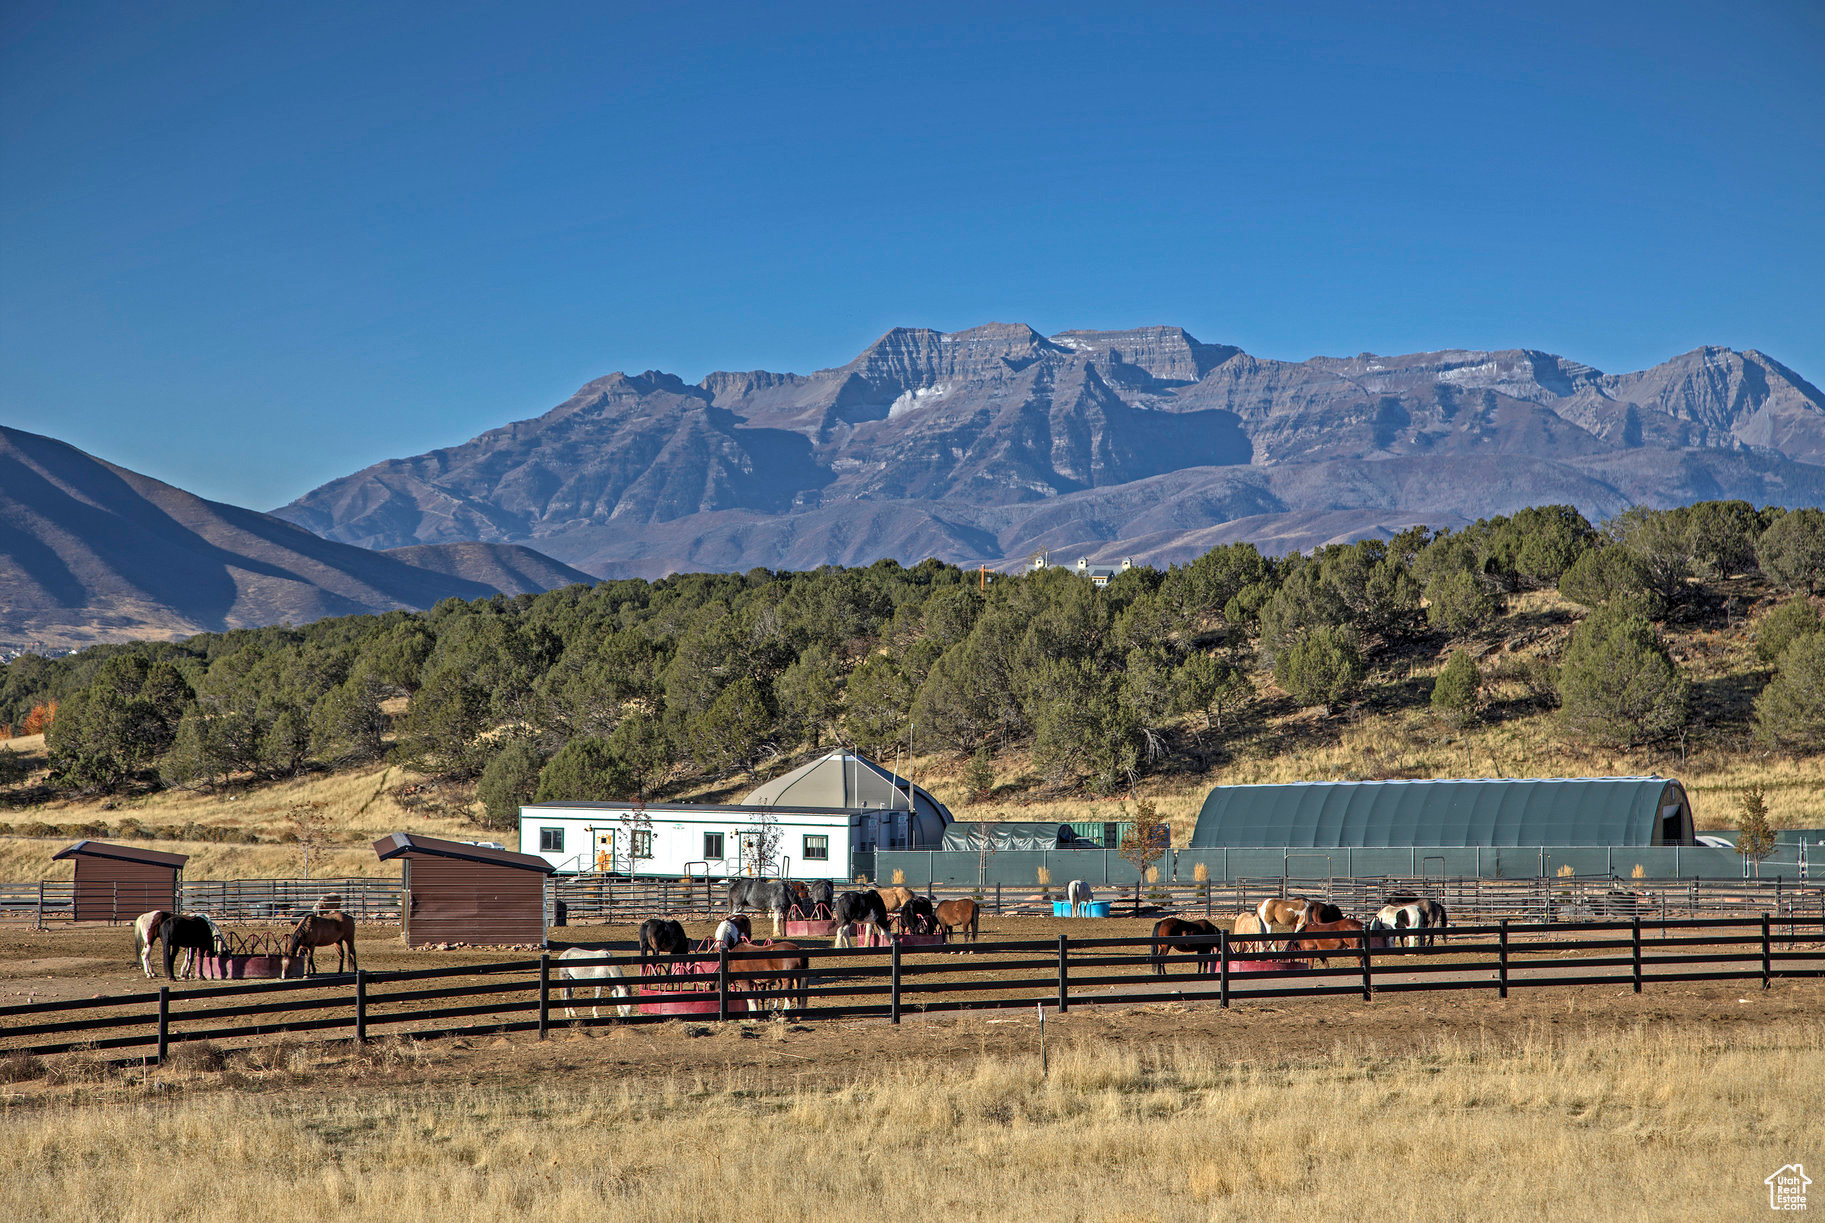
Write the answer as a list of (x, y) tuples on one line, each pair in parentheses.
[(892, 898), (322, 930), (1178, 927), (1323, 939), (958, 915), (778, 970)]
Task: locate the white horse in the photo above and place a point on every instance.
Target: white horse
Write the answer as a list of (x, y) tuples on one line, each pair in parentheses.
[(727, 935), (1079, 894), (597, 973), (1408, 921), (145, 933)]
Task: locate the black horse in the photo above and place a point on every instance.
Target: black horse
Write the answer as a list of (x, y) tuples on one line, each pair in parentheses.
[(918, 917), (773, 896), (192, 934), (660, 936), (823, 892)]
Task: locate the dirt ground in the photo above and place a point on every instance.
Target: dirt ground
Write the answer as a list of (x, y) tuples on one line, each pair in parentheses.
[(89, 961)]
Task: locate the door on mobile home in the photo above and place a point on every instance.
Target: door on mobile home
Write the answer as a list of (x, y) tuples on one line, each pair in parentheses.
[(605, 849), (748, 846)]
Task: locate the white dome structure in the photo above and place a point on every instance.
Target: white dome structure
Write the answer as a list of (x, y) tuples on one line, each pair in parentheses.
[(844, 779)]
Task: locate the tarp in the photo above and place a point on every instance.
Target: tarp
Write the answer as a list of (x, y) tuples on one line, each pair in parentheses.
[(1482, 811), (963, 835)]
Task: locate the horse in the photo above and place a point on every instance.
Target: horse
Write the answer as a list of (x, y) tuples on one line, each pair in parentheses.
[(768, 895), (894, 897), (917, 916), (192, 934), (854, 908), (1436, 920), (145, 933), (773, 971), (1179, 927), (660, 936), (823, 892), (1078, 893), (597, 973), (1296, 911), (1323, 939), (727, 935), (316, 930), (957, 915)]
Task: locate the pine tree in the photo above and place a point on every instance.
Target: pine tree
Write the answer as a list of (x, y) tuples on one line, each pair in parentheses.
[(1454, 692), (1618, 685), (1754, 838)]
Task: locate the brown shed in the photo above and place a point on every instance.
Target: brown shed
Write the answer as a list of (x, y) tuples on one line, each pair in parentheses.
[(117, 883), (459, 893)]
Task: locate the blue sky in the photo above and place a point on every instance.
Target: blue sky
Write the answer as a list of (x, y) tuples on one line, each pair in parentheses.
[(247, 248)]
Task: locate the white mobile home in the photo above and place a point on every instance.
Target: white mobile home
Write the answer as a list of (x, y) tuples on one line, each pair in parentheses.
[(829, 818)]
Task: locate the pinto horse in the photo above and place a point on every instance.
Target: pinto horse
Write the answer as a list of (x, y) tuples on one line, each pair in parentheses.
[(957, 915), (145, 933), (856, 908), (1296, 911), (319, 929), (195, 934), (1178, 927), (1323, 939), (598, 973), (893, 899)]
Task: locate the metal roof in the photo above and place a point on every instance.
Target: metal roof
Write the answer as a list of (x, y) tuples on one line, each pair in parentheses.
[(125, 853), (400, 844), (1453, 812)]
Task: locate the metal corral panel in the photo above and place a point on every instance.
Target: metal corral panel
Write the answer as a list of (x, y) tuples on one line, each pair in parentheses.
[(116, 883), (1596, 811), (450, 900)]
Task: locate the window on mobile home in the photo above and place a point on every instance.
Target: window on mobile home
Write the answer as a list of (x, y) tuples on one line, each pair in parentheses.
[(817, 848), (551, 840), (643, 843), (712, 845)]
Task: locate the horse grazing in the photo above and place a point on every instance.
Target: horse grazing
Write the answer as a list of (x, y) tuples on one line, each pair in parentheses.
[(661, 936), (778, 970), (957, 915), (1178, 927), (316, 930), (1323, 939), (1296, 911), (823, 892), (773, 896), (1078, 893), (193, 935), (893, 898), (145, 933), (918, 917), (856, 908), (727, 935), (597, 973)]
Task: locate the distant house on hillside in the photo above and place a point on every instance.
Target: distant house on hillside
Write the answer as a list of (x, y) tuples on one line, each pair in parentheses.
[(1099, 575)]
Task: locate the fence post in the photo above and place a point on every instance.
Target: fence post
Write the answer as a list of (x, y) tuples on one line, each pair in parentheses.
[(544, 994), (1223, 966), (1367, 984), (1064, 1001), (722, 983), (1767, 959), (997, 900), (893, 1006), (1501, 971), (1635, 942), (361, 1006), (40, 922), (164, 1022)]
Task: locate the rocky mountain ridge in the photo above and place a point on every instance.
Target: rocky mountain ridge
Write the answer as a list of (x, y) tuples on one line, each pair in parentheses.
[(984, 445)]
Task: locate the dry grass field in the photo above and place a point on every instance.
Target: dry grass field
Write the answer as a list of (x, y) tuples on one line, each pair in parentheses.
[(1634, 1122)]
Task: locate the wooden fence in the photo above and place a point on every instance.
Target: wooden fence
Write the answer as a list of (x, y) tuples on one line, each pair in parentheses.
[(890, 982)]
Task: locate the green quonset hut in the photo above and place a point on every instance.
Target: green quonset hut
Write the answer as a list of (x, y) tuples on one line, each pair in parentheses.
[(1494, 812)]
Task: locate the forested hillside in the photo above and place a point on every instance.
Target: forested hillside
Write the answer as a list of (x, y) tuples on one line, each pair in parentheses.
[(1662, 635)]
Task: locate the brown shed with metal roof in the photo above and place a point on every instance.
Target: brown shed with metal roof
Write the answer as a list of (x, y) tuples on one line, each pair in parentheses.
[(116, 883), (460, 893)]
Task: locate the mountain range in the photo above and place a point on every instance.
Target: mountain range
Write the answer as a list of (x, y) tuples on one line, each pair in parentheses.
[(94, 552), (989, 445)]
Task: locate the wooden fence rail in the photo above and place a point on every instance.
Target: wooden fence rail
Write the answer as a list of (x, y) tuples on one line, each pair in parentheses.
[(890, 982)]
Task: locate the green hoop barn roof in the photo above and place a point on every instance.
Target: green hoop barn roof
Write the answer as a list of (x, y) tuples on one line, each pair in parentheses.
[(1458, 812)]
